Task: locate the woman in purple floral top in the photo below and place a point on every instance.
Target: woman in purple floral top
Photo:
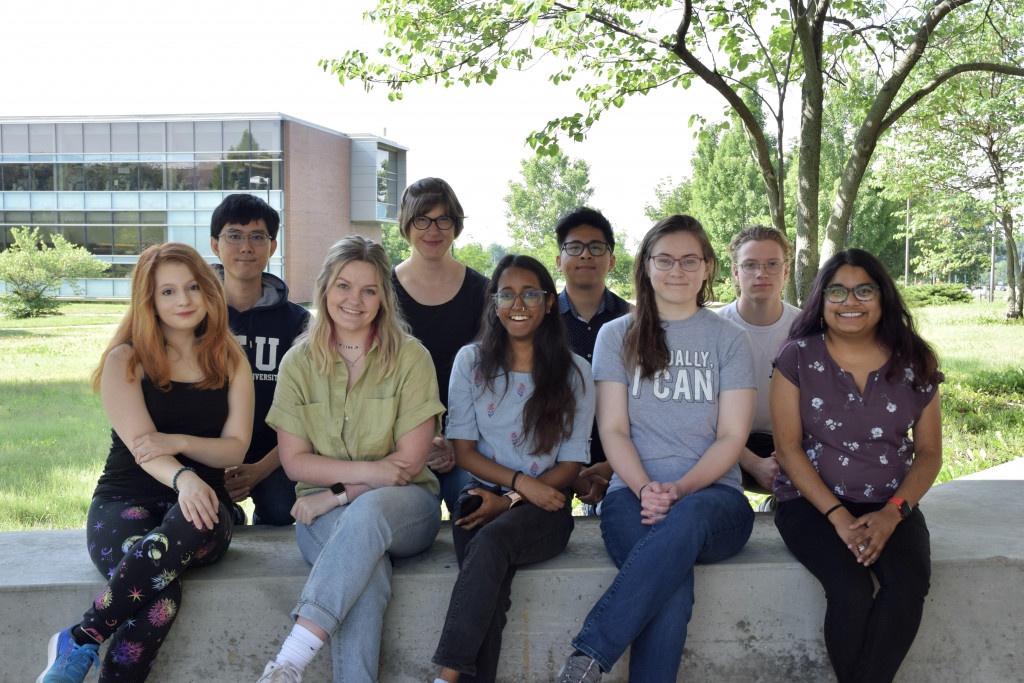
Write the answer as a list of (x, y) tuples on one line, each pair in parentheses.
[(858, 435)]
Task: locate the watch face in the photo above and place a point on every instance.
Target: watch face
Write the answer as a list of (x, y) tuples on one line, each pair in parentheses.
[(337, 488), (905, 509)]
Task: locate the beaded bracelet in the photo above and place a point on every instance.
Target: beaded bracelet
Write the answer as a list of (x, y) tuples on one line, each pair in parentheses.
[(174, 481)]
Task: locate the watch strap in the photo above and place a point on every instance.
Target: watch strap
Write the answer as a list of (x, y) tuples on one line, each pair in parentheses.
[(902, 505)]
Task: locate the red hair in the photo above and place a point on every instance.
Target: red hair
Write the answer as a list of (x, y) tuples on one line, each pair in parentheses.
[(218, 353)]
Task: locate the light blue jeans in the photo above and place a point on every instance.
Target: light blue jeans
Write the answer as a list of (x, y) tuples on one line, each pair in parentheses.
[(651, 599), (350, 584)]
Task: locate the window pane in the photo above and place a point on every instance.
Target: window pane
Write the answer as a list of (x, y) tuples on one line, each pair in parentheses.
[(124, 138), (44, 218), (208, 137), (97, 138), (126, 176), (42, 138), (208, 175), (152, 176), (236, 138), (182, 176), (71, 217), (151, 138), (236, 175), (97, 177), (153, 217), (119, 270), (15, 140), (266, 135), (150, 235), (180, 137), (16, 177), (18, 218), (42, 177), (126, 240), (99, 240), (74, 234), (70, 177), (126, 217), (69, 138)]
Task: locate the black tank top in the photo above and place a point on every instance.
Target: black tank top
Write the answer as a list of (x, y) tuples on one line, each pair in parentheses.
[(182, 410)]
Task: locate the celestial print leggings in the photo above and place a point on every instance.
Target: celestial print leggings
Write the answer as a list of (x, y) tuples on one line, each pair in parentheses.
[(142, 547)]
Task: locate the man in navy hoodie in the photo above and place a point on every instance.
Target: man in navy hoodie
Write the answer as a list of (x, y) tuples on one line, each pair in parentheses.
[(243, 234)]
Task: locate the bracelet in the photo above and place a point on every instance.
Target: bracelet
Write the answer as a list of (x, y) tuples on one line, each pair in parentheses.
[(514, 477), (174, 480), (833, 509), (640, 495)]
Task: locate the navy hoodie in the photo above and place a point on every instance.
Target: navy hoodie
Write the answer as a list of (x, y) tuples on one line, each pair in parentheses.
[(266, 331)]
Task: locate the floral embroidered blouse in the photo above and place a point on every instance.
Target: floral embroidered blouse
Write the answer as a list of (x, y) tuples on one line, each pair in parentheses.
[(859, 444)]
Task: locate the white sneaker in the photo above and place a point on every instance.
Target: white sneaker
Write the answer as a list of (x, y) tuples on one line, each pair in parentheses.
[(280, 673)]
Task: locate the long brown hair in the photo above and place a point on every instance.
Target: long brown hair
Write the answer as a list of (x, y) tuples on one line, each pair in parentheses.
[(218, 354), (644, 343), (389, 326)]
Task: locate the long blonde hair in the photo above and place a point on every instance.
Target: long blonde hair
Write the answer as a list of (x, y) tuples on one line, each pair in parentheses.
[(218, 354), (389, 326)]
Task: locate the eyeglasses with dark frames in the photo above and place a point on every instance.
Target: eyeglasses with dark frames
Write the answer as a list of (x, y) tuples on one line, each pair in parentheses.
[(595, 248), (837, 294), (687, 263), (531, 299), (442, 222)]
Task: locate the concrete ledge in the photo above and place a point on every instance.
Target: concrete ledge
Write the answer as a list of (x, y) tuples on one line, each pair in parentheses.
[(758, 615)]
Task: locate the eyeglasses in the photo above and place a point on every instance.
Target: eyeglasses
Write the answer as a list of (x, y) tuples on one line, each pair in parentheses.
[(770, 268), (838, 294), (256, 239), (442, 222), (530, 299), (595, 248), (687, 263)]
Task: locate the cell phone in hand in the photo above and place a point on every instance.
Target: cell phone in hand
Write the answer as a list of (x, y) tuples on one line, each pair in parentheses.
[(469, 504)]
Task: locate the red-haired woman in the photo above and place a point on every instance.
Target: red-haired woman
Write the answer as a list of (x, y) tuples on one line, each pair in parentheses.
[(178, 392)]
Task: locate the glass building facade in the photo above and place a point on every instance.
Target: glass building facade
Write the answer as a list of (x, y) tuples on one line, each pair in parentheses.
[(116, 186)]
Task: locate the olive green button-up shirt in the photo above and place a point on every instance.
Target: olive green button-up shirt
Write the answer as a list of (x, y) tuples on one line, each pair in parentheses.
[(361, 423)]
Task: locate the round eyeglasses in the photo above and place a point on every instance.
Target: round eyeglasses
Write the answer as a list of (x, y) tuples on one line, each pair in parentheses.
[(595, 248), (530, 299), (687, 263), (838, 294), (442, 222), (256, 239), (770, 267)]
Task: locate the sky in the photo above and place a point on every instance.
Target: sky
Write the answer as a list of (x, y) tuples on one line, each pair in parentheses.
[(128, 58)]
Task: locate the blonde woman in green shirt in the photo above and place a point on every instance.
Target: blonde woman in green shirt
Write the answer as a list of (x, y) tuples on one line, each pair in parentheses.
[(355, 410)]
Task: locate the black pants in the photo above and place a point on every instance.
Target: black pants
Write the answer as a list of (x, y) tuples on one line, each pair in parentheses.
[(488, 556), (141, 547), (867, 634)]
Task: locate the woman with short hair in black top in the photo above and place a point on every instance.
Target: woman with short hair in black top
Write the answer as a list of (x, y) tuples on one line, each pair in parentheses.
[(441, 299), (178, 392)]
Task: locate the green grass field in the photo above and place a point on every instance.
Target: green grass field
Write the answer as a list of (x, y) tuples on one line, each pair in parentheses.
[(54, 435)]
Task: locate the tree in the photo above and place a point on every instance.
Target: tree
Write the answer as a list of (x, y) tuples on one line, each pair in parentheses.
[(394, 244), (475, 256), (549, 187), (625, 48), (33, 271)]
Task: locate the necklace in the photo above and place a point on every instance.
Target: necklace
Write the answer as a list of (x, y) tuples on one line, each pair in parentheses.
[(352, 363), (353, 348)]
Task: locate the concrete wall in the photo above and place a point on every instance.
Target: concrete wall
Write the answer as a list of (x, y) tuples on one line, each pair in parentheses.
[(758, 615)]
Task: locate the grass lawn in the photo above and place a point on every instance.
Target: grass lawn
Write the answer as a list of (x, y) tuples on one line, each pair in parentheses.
[(54, 435)]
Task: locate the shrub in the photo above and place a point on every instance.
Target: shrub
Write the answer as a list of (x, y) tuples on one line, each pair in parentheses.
[(934, 295), (33, 270)]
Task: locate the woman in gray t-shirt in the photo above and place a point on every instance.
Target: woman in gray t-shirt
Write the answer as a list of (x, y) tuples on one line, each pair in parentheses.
[(675, 400)]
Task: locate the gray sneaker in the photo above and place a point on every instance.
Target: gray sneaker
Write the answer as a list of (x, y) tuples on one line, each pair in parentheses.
[(280, 673), (579, 669), (767, 505)]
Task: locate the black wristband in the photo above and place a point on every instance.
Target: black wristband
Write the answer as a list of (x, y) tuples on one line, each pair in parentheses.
[(833, 509), (514, 478), (174, 481), (640, 495)]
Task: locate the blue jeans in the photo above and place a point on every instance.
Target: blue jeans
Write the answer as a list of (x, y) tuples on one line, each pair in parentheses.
[(867, 634), (273, 499), (488, 557), (452, 484), (350, 584), (651, 599)]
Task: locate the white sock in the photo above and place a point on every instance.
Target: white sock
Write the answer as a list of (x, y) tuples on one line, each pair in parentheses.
[(299, 647), (439, 680)]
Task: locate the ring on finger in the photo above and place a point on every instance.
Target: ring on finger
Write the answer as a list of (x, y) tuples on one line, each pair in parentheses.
[(862, 547)]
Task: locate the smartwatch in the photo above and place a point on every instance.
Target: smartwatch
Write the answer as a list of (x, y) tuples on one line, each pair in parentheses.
[(515, 498), (901, 505), (339, 491)]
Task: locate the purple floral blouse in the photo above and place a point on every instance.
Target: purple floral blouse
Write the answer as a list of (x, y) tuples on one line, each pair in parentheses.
[(859, 444)]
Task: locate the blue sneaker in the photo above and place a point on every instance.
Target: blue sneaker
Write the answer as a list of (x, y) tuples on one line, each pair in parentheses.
[(67, 661)]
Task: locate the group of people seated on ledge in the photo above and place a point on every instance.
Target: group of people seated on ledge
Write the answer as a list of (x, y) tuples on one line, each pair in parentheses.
[(656, 416)]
